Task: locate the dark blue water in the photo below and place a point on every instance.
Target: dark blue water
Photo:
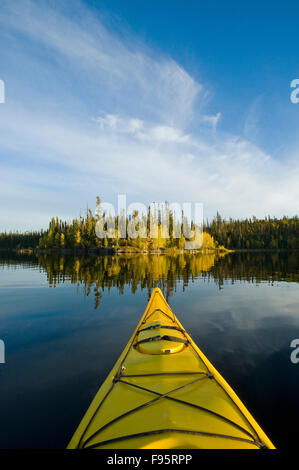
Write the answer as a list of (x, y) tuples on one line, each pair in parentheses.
[(65, 321)]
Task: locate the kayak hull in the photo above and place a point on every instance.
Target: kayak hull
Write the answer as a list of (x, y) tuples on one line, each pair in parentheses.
[(163, 393)]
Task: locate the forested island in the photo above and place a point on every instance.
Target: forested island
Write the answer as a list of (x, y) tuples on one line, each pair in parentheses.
[(79, 235)]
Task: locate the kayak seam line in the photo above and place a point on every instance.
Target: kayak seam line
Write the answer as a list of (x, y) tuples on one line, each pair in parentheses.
[(143, 405), (181, 431)]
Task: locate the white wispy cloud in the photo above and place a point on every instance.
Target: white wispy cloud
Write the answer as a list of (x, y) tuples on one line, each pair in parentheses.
[(127, 129), (252, 120), (130, 73), (212, 120)]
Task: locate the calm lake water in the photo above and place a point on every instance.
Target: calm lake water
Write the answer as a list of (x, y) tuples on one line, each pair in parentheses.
[(65, 321)]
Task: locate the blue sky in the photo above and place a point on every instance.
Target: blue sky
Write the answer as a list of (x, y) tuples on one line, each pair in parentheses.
[(158, 100)]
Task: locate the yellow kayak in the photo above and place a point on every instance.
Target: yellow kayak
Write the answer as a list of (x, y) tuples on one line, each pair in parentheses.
[(163, 393)]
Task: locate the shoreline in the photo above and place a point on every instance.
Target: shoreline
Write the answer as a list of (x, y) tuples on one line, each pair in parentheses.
[(122, 252), (112, 251)]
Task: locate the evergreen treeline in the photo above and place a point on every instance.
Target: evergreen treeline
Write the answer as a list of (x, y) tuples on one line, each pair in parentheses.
[(80, 234), (18, 241), (268, 233)]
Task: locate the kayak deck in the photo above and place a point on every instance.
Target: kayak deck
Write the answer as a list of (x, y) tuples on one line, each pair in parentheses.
[(163, 393)]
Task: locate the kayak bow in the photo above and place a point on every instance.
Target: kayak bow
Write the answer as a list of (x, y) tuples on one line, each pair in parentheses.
[(163, 393)]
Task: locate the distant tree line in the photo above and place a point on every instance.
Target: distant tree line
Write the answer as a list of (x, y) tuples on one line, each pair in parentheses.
[(80, 234), (18, 241), (253, 233)]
